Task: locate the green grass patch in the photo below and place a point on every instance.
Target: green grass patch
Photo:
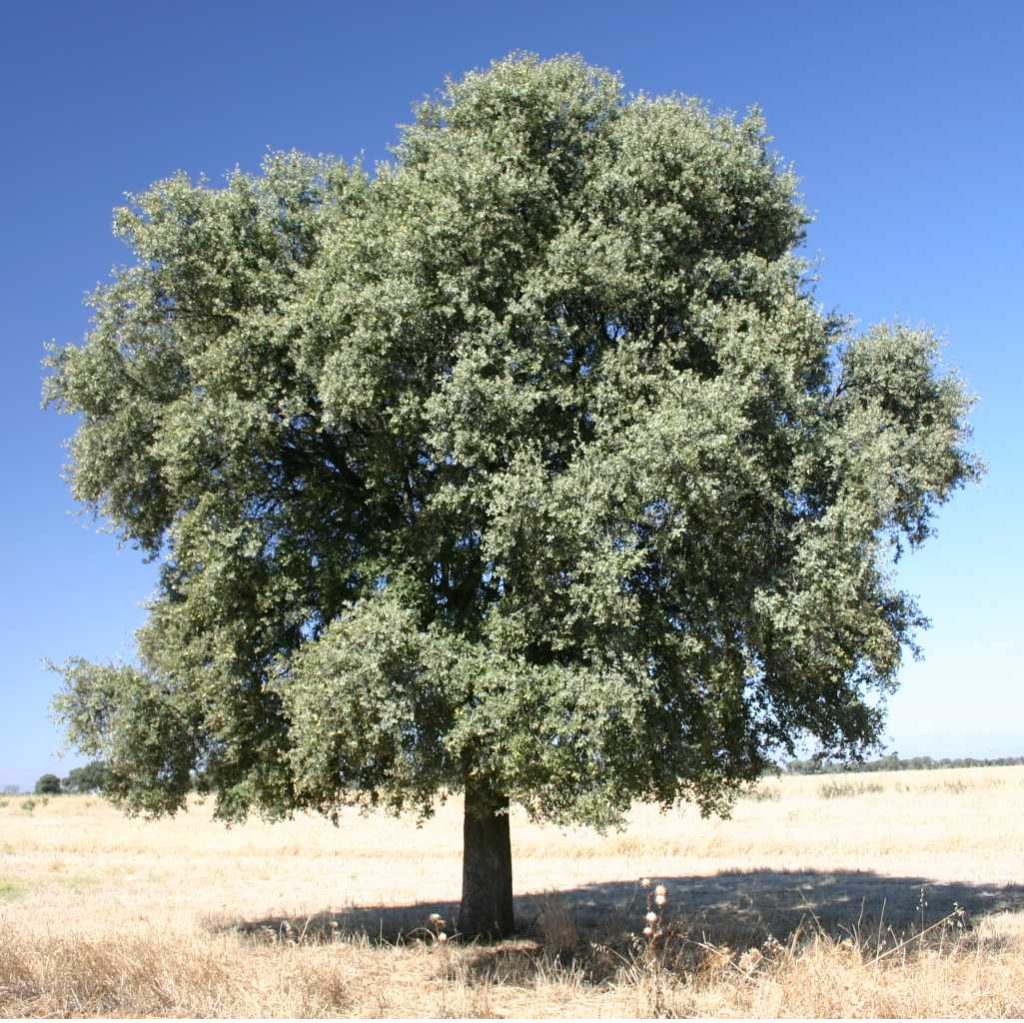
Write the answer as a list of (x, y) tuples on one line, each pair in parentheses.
[(11, 889), (78, 882)]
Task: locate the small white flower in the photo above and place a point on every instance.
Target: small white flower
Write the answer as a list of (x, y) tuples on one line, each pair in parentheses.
[(660, 890), (645, 882), (648, 932), (660, 900), (442, 937), (651, 917)]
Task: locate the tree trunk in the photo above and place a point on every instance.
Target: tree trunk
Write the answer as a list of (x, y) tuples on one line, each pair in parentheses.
[(486, 908)]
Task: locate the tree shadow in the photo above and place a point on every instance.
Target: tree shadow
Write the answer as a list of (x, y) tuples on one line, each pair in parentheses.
[(739, 908)]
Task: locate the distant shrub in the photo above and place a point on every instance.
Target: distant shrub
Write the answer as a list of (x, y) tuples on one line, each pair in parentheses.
[(48, 785), (952, 786), (845, 789), (90, 778), (28, 805)]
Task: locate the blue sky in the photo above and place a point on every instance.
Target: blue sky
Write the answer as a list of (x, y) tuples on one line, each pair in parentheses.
[(903, 122)]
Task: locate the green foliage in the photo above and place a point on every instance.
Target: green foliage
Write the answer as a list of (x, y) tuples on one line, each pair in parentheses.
[(526, 462), (89, 778), (10, 889), (48, 785), (137, 727)]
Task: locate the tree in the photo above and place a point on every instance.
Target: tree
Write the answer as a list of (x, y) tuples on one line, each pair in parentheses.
[(48, 785), (89, 778), (525, 467)]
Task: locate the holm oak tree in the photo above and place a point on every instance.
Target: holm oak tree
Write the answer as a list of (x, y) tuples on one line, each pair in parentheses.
[(525, 467)]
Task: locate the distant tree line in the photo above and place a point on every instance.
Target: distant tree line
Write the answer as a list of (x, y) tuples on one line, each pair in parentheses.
[(89, 778), (894, 762)]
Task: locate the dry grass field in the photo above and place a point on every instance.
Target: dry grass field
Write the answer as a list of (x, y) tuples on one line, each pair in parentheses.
[(821, 896)]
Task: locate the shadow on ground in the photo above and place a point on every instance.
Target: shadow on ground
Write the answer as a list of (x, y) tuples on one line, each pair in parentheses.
[(741, 909)]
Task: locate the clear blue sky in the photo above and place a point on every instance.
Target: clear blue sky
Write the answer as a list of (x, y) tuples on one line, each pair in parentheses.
[(904, 121)]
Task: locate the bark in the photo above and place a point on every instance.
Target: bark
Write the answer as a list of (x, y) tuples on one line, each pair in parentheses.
[(486, 908)]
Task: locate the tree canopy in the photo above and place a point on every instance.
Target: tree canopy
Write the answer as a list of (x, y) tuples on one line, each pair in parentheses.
[(48, 785), (525, 465), (89, 777)]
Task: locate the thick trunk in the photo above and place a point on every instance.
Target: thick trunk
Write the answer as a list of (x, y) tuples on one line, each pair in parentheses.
[(486, 908)]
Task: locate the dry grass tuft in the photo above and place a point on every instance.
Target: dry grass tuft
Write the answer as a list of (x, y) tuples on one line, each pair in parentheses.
[(156, 974), (557, 930), (947, 972)]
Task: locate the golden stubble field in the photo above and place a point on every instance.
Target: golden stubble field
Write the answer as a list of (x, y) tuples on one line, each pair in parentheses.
[(810, 901)]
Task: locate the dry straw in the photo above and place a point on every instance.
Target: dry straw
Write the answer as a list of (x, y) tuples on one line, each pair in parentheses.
[(107, 917)]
